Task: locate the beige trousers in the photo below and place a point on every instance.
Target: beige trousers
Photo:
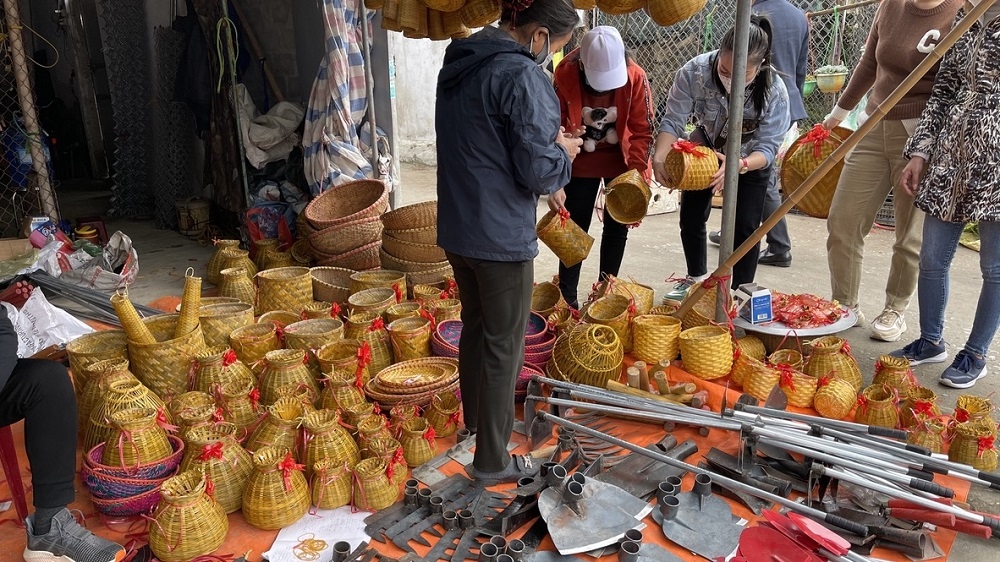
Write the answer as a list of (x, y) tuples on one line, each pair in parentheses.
[(871, 170)]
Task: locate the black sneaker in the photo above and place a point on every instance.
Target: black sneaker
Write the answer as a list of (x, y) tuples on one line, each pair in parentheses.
[(67, 541), (965, 370), (922, 351), (520, 466), (715, 237)]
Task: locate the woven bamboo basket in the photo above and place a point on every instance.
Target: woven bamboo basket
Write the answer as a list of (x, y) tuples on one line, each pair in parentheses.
[(219, 366), (190, 304), (668, 307), (744, 364), (106, 487), (418, 215), (279, 428), (330, 484), (374, 4), (301, 393), (240, 403), (831, 356), (209, 301), (357, 325), (785, 356), (215, 262), (163, 366), (562, 320), (626, 198), (429, 293), (797, 386), (447, 309), (642, 295), (973, 408), (435, 25), (390, 261), (399, 415), (135, 329), (286, 288), (136, 440), (877, 406), (277, 260), (378, 278), (974, 445), (219, 320), (703, 313), (277, 493), (707, 352), (234, 283), (616, 312), (237, 258), (895, 372), (570, 243), (262, 248), (690, 166), (251, 343), (280, 319), (373, 427), (420, 235), (192, 418), (390, 452), (326, 439), (377, 338), (445, 5), (331, 284), (187, 523), (443, 415), (355, 413), (546, 298), (349, 202), (91, 348), (418, 442), (301, 251), (759, 379), (284, 367), (318, 310), (364, 257), (408, 309), (342, 238), (413, 382), (918, 403), (805, 155), (430, 276), (835, 398), (189, 401), (620, 7), (120, 395), (752, 346), (345, 359), (311, 335), (411, 338), (102, 374), (480, 13), (377, 299), (372, 488), (215, 451), (589, 354), (929, 434), (669, 12), (420, 253)]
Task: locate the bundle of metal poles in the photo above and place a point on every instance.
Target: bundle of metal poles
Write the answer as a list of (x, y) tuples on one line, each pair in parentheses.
[(98, 304)]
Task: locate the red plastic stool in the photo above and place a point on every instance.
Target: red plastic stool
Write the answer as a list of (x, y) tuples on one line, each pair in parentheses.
[(8, 458)]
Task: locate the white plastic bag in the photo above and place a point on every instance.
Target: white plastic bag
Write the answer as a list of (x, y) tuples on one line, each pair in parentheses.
[(39, 324), (99, 274)]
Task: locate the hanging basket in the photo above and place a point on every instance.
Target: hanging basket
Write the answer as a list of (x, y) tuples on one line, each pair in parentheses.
[(707, 352), (626, 198), (570, 243), (691, 166), (805, 155), (620, 7), (349, 202), (670, 12), (642, 295), (831, 83), (786, 356), (187, 523), (277, 493)]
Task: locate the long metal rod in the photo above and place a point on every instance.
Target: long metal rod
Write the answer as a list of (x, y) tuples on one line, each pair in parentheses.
[(87, 96), (632, 412), (835, 424)]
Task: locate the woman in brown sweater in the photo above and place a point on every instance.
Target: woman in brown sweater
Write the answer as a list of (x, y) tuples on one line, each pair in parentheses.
[(903, 32)]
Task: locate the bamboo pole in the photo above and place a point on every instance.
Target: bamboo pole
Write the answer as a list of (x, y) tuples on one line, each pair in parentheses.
[(824, 168), (258, 51), (842, 8)]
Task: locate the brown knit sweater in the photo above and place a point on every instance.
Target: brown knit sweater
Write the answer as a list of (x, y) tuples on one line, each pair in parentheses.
[(901, 36)]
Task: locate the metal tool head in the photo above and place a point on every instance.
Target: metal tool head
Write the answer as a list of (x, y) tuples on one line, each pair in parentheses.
[(777, 399), (538, 425)]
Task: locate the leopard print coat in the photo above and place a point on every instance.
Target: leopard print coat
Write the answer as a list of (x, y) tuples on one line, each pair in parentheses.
[(959, 130)]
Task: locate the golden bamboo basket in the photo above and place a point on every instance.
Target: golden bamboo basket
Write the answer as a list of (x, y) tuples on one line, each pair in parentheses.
[(377, 299), (443, 415), (330, 484), (418, 215), (411, 338), (390, 452), (589, 354), (91, 348), (331, 284), (620, 7), (969, 407), (234, 283), (399, 415), (190, 305), (192, 400), (285, 288), (785, 356), (835, 398), (921, 402), (285, 367), (343, 358), (877, 406), (798, 387), (372, 427), (240, 406), (215, 262), (759, 379), (326, 439), (348, 202), (279, 428), (137, 440), (752, 346), (218, 366), (277, 493), (187, 523), (418, 235), (703, 313), (218, 321), (546, 298), (669, 12), (378, 278), (120, 395), (411, 251), (311, 335), (974, 445), (215, 451), (929, 434), (744, 364), (570, 243), (237, 258), (805, 155), (562, 320), (343, 238), (616, 312), (446, 309), (262, 248), (895, 372), (642, 295), (318, 310), (251, 343), (372, 489), (408, 309), (707, 352), (626, 198), (164, 365), (418, 442), (135, 329), (831, 356), (101, 375), (691, 166)]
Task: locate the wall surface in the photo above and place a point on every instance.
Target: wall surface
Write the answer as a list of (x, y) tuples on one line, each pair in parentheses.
[(418, 62)]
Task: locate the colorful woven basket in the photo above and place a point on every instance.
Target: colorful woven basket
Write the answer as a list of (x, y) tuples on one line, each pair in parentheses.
[(570, 243), (285, 288), (106, 487), (691, 166), (277, 493), (707, 351), (140, 504), (187, 523), (346, 203), (626, 198), (152, 471)]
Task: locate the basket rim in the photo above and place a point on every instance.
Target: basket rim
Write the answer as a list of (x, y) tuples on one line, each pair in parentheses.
[(402, 213), (357, 185)]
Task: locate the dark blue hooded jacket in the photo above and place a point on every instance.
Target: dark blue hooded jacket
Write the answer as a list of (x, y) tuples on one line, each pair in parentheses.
[(497, 118)]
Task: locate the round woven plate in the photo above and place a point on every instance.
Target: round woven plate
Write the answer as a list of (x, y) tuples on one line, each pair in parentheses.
[(403, 379), (450, 332), (537, 328)]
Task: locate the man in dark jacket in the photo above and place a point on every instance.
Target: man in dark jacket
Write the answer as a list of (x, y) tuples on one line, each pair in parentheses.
[(40, 392), (499, 148)]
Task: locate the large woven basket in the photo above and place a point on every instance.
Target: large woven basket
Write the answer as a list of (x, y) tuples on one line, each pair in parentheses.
[(570, 243), (626, 198), (330, 484), (546, 298), (411, 338), (831, 356), (420, 235), (219, 320), (669, 12), (215, 451), (187, 523), (480, 13), (163, 366), (805, 155), (349, 202), (234, 283), (419, 253), (615, 311), (342, 238), (620, 7), (252, 342), (311, 335), (413, 382), (707, 351), (372, 488), (690, 166), (974, 445), (656, 338), (331, 284), (285, 367), (378, 278), (285, 288), (91, 348), (418, 441), (589, 354), (361, 258), (277, 493), (390, 261), (215, 262), (835, 398), (418, 215), (279, 428), (430, 276), (326, 439), (101, 375), (877, 406)]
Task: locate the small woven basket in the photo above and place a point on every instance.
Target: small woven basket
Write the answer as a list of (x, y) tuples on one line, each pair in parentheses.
[(974, 445), (372, 489), (121, 395), (192, 418), (137, 439), (895, 372), (240, 403), (301, 393), (418, 215), (562, 320), (280, 319), (420, 253), (399, 415), (344, 360), (570, 243), (620, 7), (390, 452), (301, 251), (330, 484), (285, 367), (158, 470), (752, 346), (429, 276), (343, 238), (703, 312), (326, 439), (642, 295), (378, 278), (102, 374), (164, 366), (805, 155), (251, 343), (318, 310), (418, 440), (835, 398), (218, 321), (408, 309), (377, 338), (331, 284), (215, 451), (189, 401), (626, 198), (91, 348), (187, 523), (444, 415), (311, 335), (798, 387), (616, 312), (215, 262), (446, 309), (262, 248), (546, 298), (377, 299), (707, 351), (831, 356), (285, 288), (785, 356), (234, 283), (237, 258), (135, 329), (760, 378), (372, 427), (973, 408), (190, 305), (279, 428), (744, 364), (877, 406), (690, 166), (349, 202), (589, 354), (277, 493), (929, 434), (411, 338), (919, 403)]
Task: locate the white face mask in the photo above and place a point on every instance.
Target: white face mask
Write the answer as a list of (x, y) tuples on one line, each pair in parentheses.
[(544, 57), (727, 83)]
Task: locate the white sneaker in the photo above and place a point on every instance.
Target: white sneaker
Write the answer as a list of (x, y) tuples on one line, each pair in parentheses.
[(859, 317), (888, 326)]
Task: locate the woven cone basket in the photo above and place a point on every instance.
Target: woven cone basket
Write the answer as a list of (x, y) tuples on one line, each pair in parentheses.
[(616, 312), (285, 288), (834, 399), (831, 356), (691, 167), (218, 366), (237, 258), (330, 484), (187, 523), (372, 489), (411, 338), (190, 305), (164, 366), (104, 373), (707, 352), (974, 445), (895, 372), (234, 283), (279, 428), (326, 439), (91, 348), (570, 243), (390, 452), (443, 415), (589, 354), (277, 493), (215, 451), (627, 198), (137, 440), (805, 155), (877, 406), (920, 403), (134, 328), (120, 395), (240, 403), (215, 262)]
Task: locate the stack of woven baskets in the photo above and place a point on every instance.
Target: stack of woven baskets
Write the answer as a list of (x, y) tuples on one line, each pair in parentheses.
[(343, 226), (409, 244)]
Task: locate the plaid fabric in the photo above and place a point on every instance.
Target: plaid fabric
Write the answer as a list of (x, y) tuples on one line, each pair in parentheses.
[(337, 103)]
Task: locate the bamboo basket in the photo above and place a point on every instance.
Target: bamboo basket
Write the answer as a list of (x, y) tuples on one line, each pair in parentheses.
[(263, 247), (409, 267), (372, 489), (546, 298), (137, 440), (418, 442), (285, 288), (445, 5), (345, 361), (215, 262), (791, 357), (311, 335), (278, 259), (616, 312), (428, 293), (377, 338), (410, 251), (346, 203), (411, 338), (280, 319), (91, 348), (752, 346), (798, 387), (877, 406), (920, 402), (365, 257), (974, 445), (187, 523), (408, 309), (690, 166), (390, 452), (562, 320), (373, 427), (331, 284), (192, 418), (240, 403), (103, 373), (620, 7), (626, 198), (805, 155), (215, 451), (760, 379), (435, 274), (570, 243), (744, 364), (277, 493), (234, 283), (707, 352), (218, 366), (417, 235), (589, 354), (330, 484), (190, 305), (447, 309), (585, 5), (443, 415), (668, 307), (480, 13), (831, 356), (670, 12), (346, 237), (355, 413), (188, 401), (929, 434), (378, 278), (251, 343), (357, 324), (301, 393), (237, 258), (321, 310), (895, 372), (301, 251), (326, 439), (163, 366), (377, 299), (220, 320), (279, 428), (835, 398), (135, 329), (418, 215), (703, 313), (120, 395), (642, 295), (973, 408), (399, 415), (285, 367)]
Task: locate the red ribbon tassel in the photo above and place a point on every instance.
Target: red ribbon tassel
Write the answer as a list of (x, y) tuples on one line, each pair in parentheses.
[(563, 217), (254, 397), (398, 292), (161, 420), (211, 451), (424, 313), (286, 467), (823, 381), (451, 287), (429, 435), (985, 444), (816, 136), (209, 487), (923, 407), (364, 356), (335, 310), (787, 376), (863, 404), (217, 415), (688, 147), (377, 324), (397, 459), (444, 295), (229, 357)]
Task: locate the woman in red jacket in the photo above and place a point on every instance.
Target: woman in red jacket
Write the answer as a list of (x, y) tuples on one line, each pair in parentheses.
[(606, 99)]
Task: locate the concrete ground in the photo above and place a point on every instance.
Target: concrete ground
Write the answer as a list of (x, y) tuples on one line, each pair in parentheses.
[(653, 254)]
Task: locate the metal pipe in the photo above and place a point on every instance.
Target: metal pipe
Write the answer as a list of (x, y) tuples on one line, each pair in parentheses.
[(651, 416), (369, 87), (833, 424)]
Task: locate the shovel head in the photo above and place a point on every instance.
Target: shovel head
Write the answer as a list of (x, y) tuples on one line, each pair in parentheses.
[(690, 528), (602, 516)]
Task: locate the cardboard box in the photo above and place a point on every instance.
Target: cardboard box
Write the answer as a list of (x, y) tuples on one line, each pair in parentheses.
[(11, 248), (754, 302)]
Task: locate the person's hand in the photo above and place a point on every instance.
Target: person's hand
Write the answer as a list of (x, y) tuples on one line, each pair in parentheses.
[(570, 142), (557, 200), (912, 174), (830, 123), (661, 175), (718, 182)]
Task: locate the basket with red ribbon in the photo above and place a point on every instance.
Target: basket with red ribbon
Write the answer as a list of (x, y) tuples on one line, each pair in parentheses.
[(690, 166), (570, 243), (803, 158)]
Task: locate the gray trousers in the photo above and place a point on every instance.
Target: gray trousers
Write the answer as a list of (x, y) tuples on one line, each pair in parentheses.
[(778, 240), (496, 301)]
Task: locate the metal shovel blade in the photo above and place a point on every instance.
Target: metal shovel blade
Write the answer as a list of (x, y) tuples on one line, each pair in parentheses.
[(602, 516), (710, 531)]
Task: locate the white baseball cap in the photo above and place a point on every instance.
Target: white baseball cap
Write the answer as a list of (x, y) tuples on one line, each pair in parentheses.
[(602, 53)]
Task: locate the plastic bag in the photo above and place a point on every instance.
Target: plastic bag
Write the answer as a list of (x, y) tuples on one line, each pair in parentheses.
[(116, 267), (39, 324)]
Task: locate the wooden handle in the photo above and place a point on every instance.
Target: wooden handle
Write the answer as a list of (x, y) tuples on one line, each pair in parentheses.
[(625, 389)]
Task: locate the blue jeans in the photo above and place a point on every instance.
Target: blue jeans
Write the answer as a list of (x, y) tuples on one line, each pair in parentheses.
[(939, 243)]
